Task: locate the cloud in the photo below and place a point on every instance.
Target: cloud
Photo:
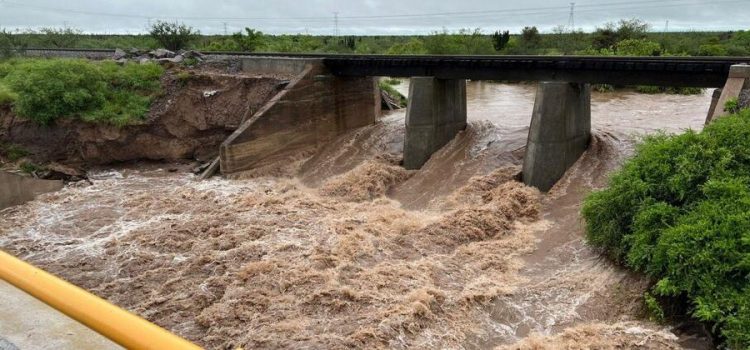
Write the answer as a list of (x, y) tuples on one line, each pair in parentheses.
[(367, 16)]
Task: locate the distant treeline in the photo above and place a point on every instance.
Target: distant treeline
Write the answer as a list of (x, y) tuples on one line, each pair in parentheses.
[(627, 37)]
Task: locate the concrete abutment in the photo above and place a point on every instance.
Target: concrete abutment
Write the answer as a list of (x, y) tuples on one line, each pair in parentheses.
[(560, 132), (314, 107)]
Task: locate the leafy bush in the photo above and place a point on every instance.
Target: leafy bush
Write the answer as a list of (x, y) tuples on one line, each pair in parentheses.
[(10, 44), (46, 90), (638, 47), (732, 105), (411, 47), (712, 50), (172, 35), (679, 211), (6, 95)]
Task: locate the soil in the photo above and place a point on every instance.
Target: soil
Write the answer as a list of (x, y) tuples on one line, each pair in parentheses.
[(198, 110)]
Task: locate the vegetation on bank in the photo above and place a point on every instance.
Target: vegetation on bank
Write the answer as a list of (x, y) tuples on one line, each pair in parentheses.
[(45, 90), (679, 211), (387, 86)]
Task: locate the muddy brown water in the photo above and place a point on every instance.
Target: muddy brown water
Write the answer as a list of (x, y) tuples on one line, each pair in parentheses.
[(349, 250)]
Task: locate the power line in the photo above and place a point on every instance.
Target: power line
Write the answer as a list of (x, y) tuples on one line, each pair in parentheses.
[(437, 14), (424, 19)]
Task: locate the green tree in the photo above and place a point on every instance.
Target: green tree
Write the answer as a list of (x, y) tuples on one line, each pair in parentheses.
[(500, 40), (172, 35), (250, 41), (11, 44), (530, 37)]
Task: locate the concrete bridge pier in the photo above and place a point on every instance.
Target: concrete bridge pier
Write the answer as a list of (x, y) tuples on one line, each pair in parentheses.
[(435, 114), (560, 132)]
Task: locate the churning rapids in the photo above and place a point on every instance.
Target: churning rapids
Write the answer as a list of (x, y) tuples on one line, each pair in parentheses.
[(344, 249)]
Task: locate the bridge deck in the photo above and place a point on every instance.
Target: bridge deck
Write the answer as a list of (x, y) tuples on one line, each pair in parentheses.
[(616, 70), (667, 71)]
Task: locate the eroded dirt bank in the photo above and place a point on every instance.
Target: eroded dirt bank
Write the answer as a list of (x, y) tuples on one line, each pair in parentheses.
[(198, 110), (344, 249)]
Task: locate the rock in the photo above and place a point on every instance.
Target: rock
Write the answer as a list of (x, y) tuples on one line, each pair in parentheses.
[(144, 60), (121, 61), (162, 53), (66, 169), (192, 54), (119, 54), (134, 52), (176, 59)]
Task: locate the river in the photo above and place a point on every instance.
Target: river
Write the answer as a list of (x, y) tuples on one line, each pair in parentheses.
[(343, 248)]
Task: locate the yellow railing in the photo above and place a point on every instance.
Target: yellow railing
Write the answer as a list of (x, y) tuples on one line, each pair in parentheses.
[(120, 326)]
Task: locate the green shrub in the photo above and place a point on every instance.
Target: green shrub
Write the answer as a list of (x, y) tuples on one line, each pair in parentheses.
[(638, 47), (30, 168), (46, 90), (732, 105), (13, 152), (679, 211), (49, 89), (6, 95), (172, 35)]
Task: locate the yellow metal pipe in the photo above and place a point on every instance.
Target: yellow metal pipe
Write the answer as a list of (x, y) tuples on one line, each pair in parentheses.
[(120, 326)]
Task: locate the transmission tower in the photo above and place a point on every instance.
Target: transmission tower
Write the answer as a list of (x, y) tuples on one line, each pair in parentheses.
[(571, 18), (335, 24), (225, 28)]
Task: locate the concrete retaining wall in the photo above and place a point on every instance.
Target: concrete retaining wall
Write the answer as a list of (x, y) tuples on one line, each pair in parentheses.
[(435, 114), (312, 109), (16, 189), (560, 132)]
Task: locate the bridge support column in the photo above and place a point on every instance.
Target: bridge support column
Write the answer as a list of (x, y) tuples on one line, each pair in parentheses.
[(559, 133), (739, 79), (435, 114)]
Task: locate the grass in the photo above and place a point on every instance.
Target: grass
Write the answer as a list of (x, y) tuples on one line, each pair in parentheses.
[(391, 81), (46, 90), (30, 168), (13, 152), (679, 211)]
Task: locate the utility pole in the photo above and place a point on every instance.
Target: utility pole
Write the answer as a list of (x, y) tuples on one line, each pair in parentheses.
[(335, 24), (571, 18)]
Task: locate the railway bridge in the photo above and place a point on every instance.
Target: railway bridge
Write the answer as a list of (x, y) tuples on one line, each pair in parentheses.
[(331, 94)]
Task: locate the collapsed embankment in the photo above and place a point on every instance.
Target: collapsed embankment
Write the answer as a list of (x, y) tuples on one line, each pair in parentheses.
[(197, 111)]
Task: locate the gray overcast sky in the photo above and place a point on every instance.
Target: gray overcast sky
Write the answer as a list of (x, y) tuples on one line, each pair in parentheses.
[(369, 16)]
